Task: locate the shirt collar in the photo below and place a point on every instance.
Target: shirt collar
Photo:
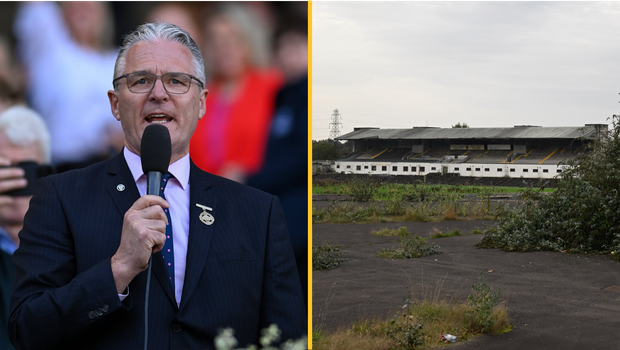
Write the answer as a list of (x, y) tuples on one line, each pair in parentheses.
[(178, 169)]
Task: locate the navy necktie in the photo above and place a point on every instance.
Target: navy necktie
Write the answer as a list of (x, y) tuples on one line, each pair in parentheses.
[(168, 250)]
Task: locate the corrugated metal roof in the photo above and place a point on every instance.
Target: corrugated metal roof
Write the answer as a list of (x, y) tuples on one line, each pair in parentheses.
[(428, 133)]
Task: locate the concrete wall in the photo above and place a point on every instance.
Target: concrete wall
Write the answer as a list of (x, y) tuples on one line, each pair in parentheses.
[(464, 169)]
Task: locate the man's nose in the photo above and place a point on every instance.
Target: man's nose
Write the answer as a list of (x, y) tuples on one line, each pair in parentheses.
[(159, 92)]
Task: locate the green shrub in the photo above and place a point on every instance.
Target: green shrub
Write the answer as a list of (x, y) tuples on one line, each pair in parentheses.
[(482, 300), (410, 247), (326, 256), (394, 207), (581, 216), (404, 329), (363, 191)]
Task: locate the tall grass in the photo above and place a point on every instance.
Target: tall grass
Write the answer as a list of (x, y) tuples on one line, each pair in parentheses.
[(413, 192), (437, 311), (441, 208)]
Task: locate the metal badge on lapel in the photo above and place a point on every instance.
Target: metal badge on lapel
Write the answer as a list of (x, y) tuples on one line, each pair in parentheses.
[(205, 217)]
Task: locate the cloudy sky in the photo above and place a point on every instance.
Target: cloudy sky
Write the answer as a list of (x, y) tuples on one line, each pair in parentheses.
[(487, 64)]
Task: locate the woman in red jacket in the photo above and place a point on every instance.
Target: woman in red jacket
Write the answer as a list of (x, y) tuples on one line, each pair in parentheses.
[(230, 139)]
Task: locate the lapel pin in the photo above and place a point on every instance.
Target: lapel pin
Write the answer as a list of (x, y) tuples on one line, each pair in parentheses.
[(120, 187), (206, 217)]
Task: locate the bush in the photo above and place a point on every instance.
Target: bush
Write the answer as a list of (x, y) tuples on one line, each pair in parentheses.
[(482, 300), (394, 207), (363, 191), (404, 329), (411, 247), (326, 256), (581, 216)]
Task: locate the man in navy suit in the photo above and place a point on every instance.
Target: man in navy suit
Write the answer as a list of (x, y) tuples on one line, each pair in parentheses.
[(88, 235)]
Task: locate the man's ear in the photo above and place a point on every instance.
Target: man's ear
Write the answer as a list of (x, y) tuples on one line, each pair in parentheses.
[(203, 102), (113, 97)]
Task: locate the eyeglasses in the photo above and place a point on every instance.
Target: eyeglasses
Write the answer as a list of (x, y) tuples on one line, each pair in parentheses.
[(143, 82)]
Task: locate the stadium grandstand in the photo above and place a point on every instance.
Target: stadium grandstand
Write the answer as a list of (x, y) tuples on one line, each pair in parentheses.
[(521, 151)]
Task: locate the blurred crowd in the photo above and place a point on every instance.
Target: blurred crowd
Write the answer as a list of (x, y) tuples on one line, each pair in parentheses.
[(56, 65)]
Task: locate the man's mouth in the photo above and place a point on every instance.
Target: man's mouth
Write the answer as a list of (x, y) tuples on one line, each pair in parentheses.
[(158, 118)]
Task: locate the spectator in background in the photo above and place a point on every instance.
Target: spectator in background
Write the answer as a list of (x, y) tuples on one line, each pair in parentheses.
[(284, 172), (8, 95), (10, 72), (177, 13), (67, 55), (230, 139), (23, 137)]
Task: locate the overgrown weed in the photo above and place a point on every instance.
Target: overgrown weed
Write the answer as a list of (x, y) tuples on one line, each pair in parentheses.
[(386, 232), (411, 247), (482, 301), (439, 234), (326, 256), (362, 191), (426, 315)]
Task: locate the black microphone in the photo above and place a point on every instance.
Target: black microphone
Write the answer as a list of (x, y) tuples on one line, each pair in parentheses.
[(155, 153)]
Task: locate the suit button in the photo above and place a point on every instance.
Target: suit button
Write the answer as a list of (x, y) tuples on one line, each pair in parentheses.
[(98, 312), (176, 327), (105, 308), (91, 315)]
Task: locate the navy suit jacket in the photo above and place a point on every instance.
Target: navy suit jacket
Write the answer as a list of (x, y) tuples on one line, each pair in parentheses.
[(240, 270)]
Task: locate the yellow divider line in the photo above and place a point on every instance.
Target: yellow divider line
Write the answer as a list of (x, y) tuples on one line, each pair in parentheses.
[(379, 154), (476, 157), (549, 156), (508, 155), (464, 154), (563, 150), (523, 155), (421, 154)]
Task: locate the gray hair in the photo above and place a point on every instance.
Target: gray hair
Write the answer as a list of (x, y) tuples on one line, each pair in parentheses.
[(23, 127), (151, 32)]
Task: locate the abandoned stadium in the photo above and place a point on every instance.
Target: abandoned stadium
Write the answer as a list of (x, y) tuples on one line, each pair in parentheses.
[(521, 151)]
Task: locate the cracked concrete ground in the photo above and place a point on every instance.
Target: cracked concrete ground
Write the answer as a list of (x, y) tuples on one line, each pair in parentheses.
[(555, 300)]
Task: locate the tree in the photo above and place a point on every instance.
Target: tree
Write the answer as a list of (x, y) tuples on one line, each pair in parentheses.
[(459, 125), (325, 150)]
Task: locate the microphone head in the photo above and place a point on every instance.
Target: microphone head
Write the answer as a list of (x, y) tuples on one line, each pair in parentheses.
[(155, 149)]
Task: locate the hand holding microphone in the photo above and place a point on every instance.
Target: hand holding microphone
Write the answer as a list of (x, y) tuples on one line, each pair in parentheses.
[(144, 224)]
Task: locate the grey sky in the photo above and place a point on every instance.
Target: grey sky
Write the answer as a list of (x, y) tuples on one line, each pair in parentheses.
[(488, 64)]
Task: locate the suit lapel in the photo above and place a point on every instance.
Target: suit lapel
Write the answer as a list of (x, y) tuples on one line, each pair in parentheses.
[(120, 184), (123, 190), (200, 234)]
